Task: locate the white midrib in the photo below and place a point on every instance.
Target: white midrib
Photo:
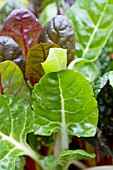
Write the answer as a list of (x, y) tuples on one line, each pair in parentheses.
[(27, 150), (64, 135), (94, 31)]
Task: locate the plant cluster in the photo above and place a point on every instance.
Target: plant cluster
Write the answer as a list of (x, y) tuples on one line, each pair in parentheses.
[(50, 84)]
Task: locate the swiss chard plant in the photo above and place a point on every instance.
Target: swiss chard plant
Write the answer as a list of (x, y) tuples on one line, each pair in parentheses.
[(49, 83)]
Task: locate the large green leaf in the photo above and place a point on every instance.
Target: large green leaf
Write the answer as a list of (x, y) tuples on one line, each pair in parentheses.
[(63, 102), (56, 60), (12, 81), (92, 21), (101, 82), (86, 67), (59, 31), (36, 56), (16, 121)]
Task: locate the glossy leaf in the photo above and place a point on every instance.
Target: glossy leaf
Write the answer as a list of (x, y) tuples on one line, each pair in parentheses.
[(66, 158), (63, 102), (16, 121), (12, 81), (86, 67), (101, 82), (9, 50), (35, 57), (22, 26), (59, 31), (49, 12), (92, 22), (56, 60), (7, 8)]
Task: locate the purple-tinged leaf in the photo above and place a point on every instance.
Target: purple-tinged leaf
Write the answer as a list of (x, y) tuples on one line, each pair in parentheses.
[(10, 50), (59, 31), (35, 57), (12, 81), (35, 7), (22, 26)]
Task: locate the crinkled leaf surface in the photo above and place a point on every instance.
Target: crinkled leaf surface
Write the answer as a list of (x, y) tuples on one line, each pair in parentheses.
[(68, 157), (10, 50), (16, 121), (101, 82), (56, 60), (49, 12), (12, 81), (63, 101), (59, 31), (7, 8), (35, 57), (92, 22), (86, 67), (22, 26)]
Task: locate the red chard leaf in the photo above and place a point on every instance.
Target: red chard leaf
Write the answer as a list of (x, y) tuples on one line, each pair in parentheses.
[(35, 57), (23, 27), (10, 50), (12, 81), (59, 31)]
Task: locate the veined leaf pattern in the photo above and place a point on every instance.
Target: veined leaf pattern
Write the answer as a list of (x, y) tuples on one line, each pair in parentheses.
[(92, 22)]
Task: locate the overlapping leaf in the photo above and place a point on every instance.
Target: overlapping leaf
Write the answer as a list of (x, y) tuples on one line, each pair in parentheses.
[(63, 101), (23, 27), (35, 57), (12, 81), (92, 22), (59, 31), (86, 67), (9, 50), (16, 121)]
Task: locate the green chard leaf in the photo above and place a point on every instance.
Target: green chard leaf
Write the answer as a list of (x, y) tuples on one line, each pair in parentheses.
[(37, 55), (86, 67), (16, 121), (12, 81), (59, 31), (92, 23), (66, 158), (56, 60), (63, 102), (23, 27), (101, 82)]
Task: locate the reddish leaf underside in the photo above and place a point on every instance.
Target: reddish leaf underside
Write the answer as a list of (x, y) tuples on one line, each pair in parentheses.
[(23, 27)]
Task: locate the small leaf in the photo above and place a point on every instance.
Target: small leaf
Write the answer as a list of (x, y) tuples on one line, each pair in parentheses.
[(22, 26), (16, 121), (49, 12), (66, 158), (35, 7), (56, 60), (63, 102), (92, 23), (10, 50), (86, 67), (12, 81), (35, 57), (59, 31), (101, 82)]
